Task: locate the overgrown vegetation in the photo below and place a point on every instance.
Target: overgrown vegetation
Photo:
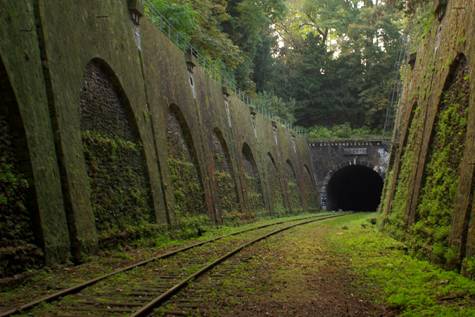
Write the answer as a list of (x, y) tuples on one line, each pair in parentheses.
[(410, 287), (187, 189), (343, 131), (18, 249), (120, 192), (395, 221), (441, 174)]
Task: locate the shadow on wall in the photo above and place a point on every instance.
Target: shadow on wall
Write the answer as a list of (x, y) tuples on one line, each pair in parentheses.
[(18, 216), (356, 188)]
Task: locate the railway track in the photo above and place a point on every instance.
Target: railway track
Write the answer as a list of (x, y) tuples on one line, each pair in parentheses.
[(137, 290)]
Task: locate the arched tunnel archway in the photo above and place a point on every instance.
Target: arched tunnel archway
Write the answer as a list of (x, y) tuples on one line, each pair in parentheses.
[(354, 187)]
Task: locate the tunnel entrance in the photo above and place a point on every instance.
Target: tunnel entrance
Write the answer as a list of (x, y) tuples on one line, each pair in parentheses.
[(356, 188)]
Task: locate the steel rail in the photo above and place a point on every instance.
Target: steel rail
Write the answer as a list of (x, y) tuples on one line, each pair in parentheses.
[(163, 297), (77, 288)]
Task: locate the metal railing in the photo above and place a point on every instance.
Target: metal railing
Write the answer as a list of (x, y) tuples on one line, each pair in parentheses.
[(215, 69)]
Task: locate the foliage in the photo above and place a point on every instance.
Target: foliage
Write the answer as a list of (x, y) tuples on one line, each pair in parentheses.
[(328, 62), (187, 189), (341, 131), (276, 105), (227, 195), (337, 61), (120, 192)]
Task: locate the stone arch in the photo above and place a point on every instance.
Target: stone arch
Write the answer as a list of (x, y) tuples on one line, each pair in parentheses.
[(114, 155), (20, 237), (324, 197), (275, 186), (355, 186), (184, 168), (226, 186), (293, 189), (253, 184), (441, 174)]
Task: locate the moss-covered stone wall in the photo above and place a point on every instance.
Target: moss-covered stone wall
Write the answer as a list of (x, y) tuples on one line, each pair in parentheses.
[(276, 193), (186, 179), (253, 182), (32, 218), (115, 163), (109, 159), (429, 192), (293, 188), (227, 200)]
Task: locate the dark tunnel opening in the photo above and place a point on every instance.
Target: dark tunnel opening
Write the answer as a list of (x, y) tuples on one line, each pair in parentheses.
[(356, 188)]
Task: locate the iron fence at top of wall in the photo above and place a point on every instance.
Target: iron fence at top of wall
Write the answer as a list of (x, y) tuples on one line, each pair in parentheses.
[(215, 69)]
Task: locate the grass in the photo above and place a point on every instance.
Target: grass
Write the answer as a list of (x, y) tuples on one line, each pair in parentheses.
[(406, 284)]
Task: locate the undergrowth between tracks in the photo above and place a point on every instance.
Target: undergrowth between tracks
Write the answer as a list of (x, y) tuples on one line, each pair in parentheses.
[(36, 283), (339, 267)]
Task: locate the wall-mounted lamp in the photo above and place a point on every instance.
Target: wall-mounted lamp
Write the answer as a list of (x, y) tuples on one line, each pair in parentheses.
[(136, 9)]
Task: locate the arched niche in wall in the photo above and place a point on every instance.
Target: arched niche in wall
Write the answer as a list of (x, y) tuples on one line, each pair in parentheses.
[(293, 189), (183, 166), (20, 238), (114, 155), (275, 186), (226, 187), (441, 175), (253, 184), (310, 189)]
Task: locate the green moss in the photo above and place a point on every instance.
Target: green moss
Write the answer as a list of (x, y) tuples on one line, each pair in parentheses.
[(120, 191), (18, 249), (441, 173), (294, 197), (255, 197), (410, 286), (227, 196), (394, 223), (468, 267), (384, 196), (187, 189), (422, 22)]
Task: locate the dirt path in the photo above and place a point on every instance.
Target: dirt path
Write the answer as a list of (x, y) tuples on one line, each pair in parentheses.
[(291, 274)]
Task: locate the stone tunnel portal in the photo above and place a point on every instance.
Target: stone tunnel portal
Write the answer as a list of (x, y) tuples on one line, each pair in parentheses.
[(354, 187)]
